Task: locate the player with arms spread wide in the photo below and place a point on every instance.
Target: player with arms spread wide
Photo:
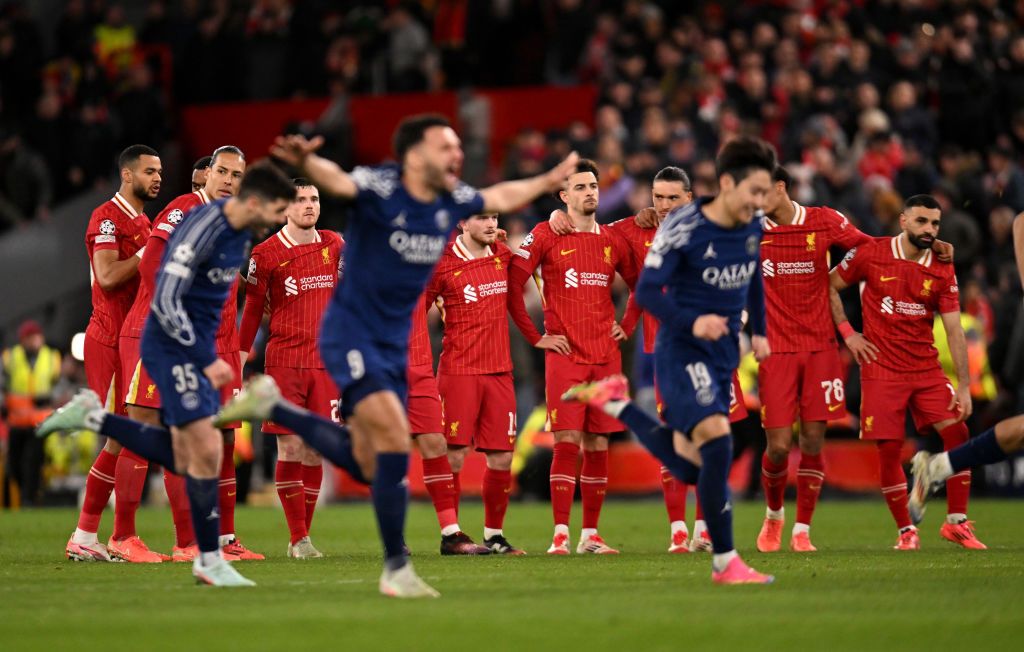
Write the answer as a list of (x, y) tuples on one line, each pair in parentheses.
[(178, 349), (702, 270), (291, 277), (904, 286), (401, 224)]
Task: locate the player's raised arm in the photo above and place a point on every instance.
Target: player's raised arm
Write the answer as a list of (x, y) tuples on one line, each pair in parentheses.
[(327, 175), (508, 196)]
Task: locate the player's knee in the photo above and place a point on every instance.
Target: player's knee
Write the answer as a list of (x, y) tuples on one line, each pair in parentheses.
[(811, 445), (499, 461), (112, 446), (289, 448), (457, 457), (569, 436), (431, 445), (592, 442), (228, 435), (777, 450)]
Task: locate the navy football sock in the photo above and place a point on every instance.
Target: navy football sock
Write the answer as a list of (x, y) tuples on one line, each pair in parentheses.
[(329, 439), (150, 442), (202, 498), (390, 500), (713, 490), (657, 438), (979, 451)]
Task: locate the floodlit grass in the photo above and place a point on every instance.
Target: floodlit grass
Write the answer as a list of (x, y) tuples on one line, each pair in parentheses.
[(856, 593)]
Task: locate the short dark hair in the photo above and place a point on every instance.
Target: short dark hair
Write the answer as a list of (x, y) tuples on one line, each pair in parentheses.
[(587, 165), (225, 149), (782, 174), (265, 180), (743, 155), (302, 182), (924, 201), (132, 153), (672, 173), (202, 163), (410, 131)]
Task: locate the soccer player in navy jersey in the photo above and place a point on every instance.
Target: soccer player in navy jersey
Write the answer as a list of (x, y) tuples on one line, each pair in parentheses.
[(198, 270), (700, 273), (403, 217)]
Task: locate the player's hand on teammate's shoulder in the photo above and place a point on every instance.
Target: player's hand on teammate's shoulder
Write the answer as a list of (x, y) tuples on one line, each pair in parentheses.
[(647, 218), (962, 402), (219, 373), (556, 343), (560, 223), (617, 333), (759, 345), (943, 250), (711, 327), (294, 149), (864, 352), (502, 235), (557, 175)]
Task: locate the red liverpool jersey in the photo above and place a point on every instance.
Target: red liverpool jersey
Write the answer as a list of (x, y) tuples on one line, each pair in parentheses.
[(114, 226), (419, 337), (639, 240), (292, 283), (472, 294), (899, 301), (227, 332), (577, 271), (163, 227), (795, 265)]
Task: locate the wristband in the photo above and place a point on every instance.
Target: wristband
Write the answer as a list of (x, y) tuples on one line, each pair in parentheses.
[(846, 330)]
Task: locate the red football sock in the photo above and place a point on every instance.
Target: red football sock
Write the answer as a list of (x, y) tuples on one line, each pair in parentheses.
[(129, 481), (699, 513), (98, 485), (593, 485), (312, 478), (958, 487), (809, 478), (497, 485), (773, 480), (181, 512), (227, 489), (437, 476), (894, 482), (288, 478), (675, 496), (563, 480), (457, 483)]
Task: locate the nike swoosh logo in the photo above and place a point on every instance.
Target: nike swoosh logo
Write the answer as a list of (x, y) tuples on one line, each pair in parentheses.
[(232, 493), (141, 466), (764, 242), (647, 243), (284, 263), (833, 408), (456, 273), (886, 279), (814, 487), (566, 252), (732, 408), (287, 495)]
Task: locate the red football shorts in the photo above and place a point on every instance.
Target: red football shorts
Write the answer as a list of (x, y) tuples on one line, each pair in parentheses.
[(806, 385), (312, 389), (103, 374), (561, 373), (884, 403), (142, 391), (479, 410), (737, 408), (231, 389), (423, 404)]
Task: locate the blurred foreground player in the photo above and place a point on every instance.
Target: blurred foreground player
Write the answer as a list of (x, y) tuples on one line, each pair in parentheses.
[(199, 268)]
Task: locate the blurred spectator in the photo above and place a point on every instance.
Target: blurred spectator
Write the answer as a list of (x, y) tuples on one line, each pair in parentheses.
[(25, 188), (1005, 180)]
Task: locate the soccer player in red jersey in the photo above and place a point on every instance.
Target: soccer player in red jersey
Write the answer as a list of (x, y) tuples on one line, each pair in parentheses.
[(474, 376), (143, 398), (803, 378), (200, 169), (903, 286), (581, 344), (291, 277), (115, 241), (426, 425)]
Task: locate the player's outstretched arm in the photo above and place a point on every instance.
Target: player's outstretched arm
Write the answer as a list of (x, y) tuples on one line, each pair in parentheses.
[(508, 196), (958, 351), (325, 174)]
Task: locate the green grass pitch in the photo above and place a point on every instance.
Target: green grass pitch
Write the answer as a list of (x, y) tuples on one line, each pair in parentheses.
[(856, 593)]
